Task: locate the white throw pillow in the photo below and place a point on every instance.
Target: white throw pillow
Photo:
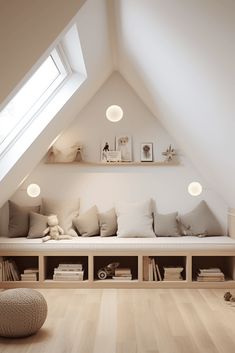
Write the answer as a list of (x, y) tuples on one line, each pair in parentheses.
[(135, 220)]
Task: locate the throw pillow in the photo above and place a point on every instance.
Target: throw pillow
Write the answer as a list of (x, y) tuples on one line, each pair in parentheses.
[(135, 220), (200, 222), (19, 219), (65, 210), (108, 223), (37, 224), (87, 223), (166, 225)]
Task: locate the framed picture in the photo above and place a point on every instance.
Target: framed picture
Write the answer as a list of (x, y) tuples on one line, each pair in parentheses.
[(146, 152), (106, 146), (124, 145)]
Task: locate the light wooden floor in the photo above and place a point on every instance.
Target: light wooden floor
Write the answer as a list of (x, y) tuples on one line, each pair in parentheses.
[(131, 321)]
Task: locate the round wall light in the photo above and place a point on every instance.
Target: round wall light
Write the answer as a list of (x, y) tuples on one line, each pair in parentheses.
[(114, 113), (195, 188), (33, 190)]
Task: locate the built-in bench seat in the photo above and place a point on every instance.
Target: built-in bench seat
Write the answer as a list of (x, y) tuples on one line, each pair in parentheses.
[(189, 252), (97, 243)]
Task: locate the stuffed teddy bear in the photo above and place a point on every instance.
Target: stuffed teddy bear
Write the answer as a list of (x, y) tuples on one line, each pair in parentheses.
[(54, 230)]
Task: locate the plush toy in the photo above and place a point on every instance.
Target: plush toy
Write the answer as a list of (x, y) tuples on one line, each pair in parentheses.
[(54, 230)]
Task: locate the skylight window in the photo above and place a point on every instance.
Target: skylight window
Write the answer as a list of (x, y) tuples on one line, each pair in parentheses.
[(32, 96)]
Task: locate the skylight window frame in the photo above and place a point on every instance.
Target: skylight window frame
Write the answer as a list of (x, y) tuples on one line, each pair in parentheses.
[(59, 58)]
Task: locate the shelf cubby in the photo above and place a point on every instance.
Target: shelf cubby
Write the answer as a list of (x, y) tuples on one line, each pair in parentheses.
[(124, 261), (51, 262), (225, 263)]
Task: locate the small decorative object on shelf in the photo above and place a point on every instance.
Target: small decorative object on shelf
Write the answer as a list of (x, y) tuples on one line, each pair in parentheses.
[(169, 154), (173, 273), (210, 275), (114, 156), (122, 274), (146, 152), (107, 271), (67, 155), (123, 144), (68, 272)]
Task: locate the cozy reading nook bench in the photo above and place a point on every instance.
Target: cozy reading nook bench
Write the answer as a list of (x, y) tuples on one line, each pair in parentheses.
[(189, 252)]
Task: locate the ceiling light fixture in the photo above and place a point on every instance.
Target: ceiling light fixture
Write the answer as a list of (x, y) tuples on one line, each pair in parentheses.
[(195, 188), (114, 113), (33, 190)]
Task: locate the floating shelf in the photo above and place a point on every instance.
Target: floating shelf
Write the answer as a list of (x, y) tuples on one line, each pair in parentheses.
[(119, 164)]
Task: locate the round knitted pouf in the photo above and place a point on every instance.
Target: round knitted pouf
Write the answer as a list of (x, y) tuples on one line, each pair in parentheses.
[(22, 312)]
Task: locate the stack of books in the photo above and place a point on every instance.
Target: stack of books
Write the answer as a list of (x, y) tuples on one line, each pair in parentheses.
[(173, 273), (30, 274), (151, 270), (68, 272), (210, 275), (9, 270), (122, 274)]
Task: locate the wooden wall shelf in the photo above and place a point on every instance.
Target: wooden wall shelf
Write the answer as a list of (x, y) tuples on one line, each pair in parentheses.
[(118, 164)]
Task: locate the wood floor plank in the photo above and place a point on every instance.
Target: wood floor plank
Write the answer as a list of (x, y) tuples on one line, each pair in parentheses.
[(132, 321)]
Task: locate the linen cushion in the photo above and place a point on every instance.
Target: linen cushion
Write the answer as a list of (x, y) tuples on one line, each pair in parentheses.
[(135, 220), (200, 222), (19, 219), (108, 223), (87, 223), (166, 225), (37, 224), (65, 210)]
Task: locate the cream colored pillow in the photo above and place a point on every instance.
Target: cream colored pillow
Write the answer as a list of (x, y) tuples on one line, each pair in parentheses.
[(87, 223), (166, 225), (135, 220), (65, 210), (108, 223)]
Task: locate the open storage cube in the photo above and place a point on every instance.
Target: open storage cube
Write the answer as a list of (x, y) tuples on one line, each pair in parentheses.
[(131, 262), (161, 262), (224, 263), (52, 262)]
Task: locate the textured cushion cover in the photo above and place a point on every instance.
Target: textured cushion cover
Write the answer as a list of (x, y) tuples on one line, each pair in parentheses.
[(65, 210), (87, 223), (135, 220), (166, 225), (37, 224), (200, 221), (19, 219), (108, 223)]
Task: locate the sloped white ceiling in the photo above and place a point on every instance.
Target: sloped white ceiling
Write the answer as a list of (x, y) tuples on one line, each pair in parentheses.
[(179, 57), (93, 28)]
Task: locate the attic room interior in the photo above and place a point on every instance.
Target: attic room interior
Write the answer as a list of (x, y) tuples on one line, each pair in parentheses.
[(117, 211)]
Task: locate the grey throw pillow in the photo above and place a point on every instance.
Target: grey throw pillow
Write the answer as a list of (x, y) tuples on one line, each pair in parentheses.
[(87, 223), (65, 210), (200, 222), (19, 219), (166, 225), (108, 223), (37, 224)]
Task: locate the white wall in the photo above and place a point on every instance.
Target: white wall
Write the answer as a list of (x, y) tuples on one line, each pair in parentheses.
[(105, 186), (179, 57)]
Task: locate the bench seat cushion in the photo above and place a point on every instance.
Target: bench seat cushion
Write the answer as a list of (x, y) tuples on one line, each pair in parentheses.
[(97, 243)]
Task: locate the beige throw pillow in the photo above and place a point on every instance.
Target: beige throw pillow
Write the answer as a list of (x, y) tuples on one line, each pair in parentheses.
[(19, 219), (200, 221), (166, 225), (87, 223), (108, 223), (37, 224), (135, 220), (65, 210)]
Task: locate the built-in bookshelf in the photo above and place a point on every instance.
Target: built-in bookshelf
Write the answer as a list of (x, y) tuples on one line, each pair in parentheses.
[(130, 269)]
